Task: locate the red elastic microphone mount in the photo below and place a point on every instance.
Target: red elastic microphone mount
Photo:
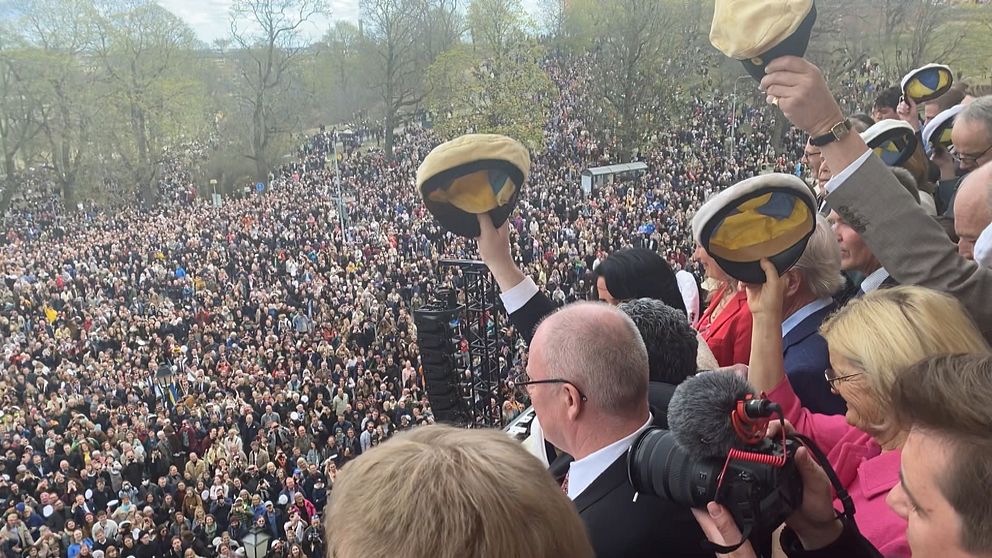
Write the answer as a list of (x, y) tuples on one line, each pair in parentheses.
[(750, 420)]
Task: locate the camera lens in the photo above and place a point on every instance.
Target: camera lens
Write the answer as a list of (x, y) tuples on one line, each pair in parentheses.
[(657, 465)]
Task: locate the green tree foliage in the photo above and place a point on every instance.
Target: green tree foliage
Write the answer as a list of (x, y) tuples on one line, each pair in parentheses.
[(337, 73), (497, 27), (496, 84), (145, 53), (470, 93), (58, 97)]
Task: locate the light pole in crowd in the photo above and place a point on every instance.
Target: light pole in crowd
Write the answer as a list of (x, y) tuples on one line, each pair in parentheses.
[(733, 123), (337, 181)]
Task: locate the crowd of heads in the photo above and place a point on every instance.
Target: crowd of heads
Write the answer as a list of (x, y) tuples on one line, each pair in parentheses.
[(179, 378), (166, 370)]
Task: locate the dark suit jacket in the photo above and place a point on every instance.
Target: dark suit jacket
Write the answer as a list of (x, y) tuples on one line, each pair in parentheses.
[(806, 358), (619, 527), (912, 246), (526, 318)]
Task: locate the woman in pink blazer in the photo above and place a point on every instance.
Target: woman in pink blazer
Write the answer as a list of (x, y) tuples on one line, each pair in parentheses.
[(871, 340)]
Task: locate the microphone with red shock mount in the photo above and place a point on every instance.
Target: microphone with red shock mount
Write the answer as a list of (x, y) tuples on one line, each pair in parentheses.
[(717, 450)]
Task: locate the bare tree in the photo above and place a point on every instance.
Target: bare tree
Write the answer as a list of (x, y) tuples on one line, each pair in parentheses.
[(269, 36), (57, 34), (145, 54), (553, 17), (632, 55), (20, 108), (442, 24), (396, 64), (496, 25)]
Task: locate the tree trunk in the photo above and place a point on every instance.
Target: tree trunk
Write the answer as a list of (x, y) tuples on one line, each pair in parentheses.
[(10, 184), (68, 186), (388, 133), (10, 187), (259, 141)]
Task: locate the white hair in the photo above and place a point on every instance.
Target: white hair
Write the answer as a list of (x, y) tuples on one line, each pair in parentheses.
[(820, 262), (980, 110)]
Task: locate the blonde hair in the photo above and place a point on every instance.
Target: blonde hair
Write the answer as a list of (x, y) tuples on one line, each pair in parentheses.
[(443, 492), (888, 330)]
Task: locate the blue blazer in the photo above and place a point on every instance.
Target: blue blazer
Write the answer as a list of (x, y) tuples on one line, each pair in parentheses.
[(806, 359)]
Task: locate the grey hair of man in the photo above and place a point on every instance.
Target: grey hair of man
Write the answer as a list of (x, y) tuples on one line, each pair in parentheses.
[(980, 110), (820, 262), (670, 340), (599, 349)]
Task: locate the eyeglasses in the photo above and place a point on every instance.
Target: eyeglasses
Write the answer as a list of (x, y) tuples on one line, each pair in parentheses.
[(970, 159), (522, 379), (832, 380)]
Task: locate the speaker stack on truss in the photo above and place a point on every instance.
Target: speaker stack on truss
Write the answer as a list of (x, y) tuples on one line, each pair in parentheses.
[(461, 387)]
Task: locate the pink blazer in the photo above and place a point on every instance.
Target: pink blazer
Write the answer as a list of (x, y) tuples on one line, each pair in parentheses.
[(862, 467)]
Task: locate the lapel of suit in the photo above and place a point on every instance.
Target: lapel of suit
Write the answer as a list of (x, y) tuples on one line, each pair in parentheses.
[(614, 476), (729, 311), (807, 327)]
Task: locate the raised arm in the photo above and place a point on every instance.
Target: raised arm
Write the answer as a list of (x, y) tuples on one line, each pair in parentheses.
[(912, 246), (766, 367), (524, 302)]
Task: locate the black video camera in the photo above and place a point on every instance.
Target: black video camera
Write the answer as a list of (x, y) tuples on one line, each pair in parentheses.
[(760, 487)]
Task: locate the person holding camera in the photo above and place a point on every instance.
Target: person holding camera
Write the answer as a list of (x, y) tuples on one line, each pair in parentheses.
[(871, 341), (945, 405)]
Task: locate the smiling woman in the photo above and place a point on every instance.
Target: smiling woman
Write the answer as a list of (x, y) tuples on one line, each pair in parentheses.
[(871, 340)]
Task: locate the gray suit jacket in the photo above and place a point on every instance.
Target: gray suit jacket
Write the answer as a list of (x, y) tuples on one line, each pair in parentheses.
[(912, 246)]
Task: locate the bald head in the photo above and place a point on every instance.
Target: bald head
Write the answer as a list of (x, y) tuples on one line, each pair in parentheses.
[(973, 209), (599, 349)]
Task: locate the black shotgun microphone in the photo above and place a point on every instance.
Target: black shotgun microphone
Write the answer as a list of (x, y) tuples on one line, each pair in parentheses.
[(700, 413)]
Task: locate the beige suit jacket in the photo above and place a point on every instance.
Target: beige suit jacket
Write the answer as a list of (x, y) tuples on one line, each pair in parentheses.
[(911, 245)]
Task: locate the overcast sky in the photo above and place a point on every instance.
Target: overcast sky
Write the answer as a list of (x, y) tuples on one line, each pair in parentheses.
[(209, 18)]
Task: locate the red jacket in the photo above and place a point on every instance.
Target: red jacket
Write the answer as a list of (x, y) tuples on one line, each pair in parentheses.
[(729, 334)]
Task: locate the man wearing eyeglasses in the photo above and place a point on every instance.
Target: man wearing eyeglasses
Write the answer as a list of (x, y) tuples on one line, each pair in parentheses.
[(972, 135), (970, 148), (587, 377), (910, 245)]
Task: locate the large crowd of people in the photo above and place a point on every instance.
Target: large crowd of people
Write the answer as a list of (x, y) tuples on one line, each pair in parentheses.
[(175, 380)]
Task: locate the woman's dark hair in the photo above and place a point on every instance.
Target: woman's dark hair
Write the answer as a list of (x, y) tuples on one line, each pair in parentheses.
[(640, 273)]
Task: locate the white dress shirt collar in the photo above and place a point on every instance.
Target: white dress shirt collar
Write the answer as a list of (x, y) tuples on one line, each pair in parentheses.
[(799, 315), (585, 471), (874, 280)]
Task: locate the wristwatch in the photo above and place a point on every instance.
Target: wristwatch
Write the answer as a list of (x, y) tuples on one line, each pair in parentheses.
[(838, 132)]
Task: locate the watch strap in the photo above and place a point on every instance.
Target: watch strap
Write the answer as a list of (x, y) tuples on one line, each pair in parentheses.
[(837, 131)]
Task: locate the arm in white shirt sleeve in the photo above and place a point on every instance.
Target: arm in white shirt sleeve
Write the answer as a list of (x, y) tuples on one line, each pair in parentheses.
[(515, 298)]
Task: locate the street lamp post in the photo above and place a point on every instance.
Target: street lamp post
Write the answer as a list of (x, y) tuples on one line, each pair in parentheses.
[(256, 543), (733, 123), (337, 181)]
